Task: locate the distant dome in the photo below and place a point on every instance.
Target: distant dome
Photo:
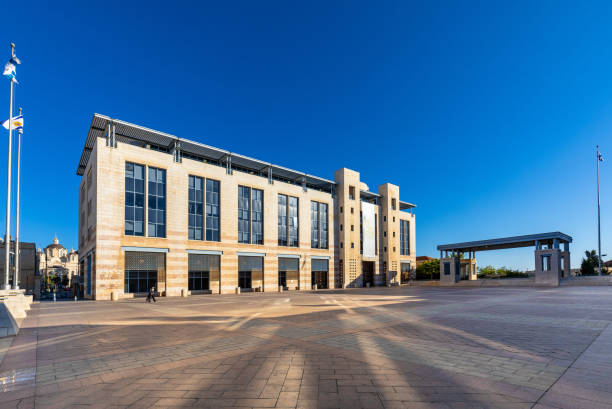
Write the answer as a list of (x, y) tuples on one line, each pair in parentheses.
[(55, 244)]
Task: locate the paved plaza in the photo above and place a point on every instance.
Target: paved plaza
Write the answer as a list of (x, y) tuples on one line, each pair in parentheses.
[(416, 347)]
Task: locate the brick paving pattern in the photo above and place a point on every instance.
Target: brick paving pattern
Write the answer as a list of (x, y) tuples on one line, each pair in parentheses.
[(365, 348)]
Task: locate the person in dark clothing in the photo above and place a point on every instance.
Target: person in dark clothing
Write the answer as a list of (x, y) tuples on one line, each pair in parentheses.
[(150, 295)]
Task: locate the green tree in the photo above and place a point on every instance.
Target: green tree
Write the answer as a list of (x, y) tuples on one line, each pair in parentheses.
[(428, 270), (589, 264)]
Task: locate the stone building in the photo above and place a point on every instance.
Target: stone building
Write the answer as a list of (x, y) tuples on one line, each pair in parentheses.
[(27, 265), (166, 212), (56, 260)]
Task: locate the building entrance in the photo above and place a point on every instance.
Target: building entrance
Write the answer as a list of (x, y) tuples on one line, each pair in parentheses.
[(250, 273), (320, 273), (368, 273)]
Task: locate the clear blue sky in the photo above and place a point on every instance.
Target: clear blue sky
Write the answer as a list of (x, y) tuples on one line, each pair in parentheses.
[(491, 112)]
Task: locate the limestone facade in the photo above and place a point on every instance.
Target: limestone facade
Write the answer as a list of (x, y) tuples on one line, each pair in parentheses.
[(105, 246)]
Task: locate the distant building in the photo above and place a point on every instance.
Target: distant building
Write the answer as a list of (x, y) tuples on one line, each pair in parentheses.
[(421, 259), (27, 265), (56, 260)]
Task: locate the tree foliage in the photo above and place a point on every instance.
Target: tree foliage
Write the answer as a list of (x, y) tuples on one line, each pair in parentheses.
[(590, 264), (428, 270), (502, 272)]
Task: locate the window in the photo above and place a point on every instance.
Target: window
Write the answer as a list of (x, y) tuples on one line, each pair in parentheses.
[(352, 192), (250, 215), (404, 237), (352, 227), (294, 224), (157, 203), (352, 210), (201, 268), (393, 204), (257, 216), (446, 268), (318, 225), (134, 199), (212, 210), (546, 263), (340, 227), (384, 218), (288, 222), (89, 274), (352, 245), (244, 214), (282, 220), (196, 208), (142, 270), (249, 267), (340, 209)]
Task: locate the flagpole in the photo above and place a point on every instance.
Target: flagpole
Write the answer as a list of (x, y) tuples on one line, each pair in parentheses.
[(598, 214), (16, 274), (7, 237)]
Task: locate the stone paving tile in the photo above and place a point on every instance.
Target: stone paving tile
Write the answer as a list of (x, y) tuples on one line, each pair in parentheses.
[(367, 348), (586, 324)]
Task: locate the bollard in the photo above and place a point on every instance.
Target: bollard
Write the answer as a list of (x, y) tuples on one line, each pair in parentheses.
[(367, 285), (114, 296), (280, 288), (54, 300), (237, 290), (314, 287), (183, 293), (75, 298)]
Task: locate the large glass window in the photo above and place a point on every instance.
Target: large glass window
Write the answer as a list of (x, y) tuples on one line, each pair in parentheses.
[(288, 221), (201, 268), (282, 220), (288, 269), (294, 223), (244, 214), (142, 270), (196, 208), (157, 203), (404, 237), (314, 224), (319, 225), (250, 215), (257, 216), (320, 273), (249, 267), (134, 199), (212, 210)]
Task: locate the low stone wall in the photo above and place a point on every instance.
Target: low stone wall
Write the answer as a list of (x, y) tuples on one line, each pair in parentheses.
[(14, 305), (587, 281)]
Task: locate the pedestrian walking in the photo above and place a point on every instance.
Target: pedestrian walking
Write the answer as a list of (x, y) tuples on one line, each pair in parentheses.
[(151, 295)]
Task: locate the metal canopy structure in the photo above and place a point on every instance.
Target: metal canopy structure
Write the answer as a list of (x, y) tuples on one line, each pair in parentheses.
[(133, 134), (508, 242)]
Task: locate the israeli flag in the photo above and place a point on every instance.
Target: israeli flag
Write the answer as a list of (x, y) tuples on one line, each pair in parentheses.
[(10, 69), (17, 123)]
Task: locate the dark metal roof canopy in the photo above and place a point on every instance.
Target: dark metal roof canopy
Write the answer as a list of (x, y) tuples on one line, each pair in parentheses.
[(507, 242), (160, 141)]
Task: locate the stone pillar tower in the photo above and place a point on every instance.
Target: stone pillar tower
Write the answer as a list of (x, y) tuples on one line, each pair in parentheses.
[(389, 233), (348, 222)]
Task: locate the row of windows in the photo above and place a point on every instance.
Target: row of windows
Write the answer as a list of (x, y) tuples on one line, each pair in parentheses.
[(143, 270), (203, 212)]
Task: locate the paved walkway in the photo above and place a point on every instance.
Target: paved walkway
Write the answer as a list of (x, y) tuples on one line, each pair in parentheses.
[(367, 348)]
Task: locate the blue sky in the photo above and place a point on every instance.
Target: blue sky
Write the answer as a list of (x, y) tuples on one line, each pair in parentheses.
[(491, 111)]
